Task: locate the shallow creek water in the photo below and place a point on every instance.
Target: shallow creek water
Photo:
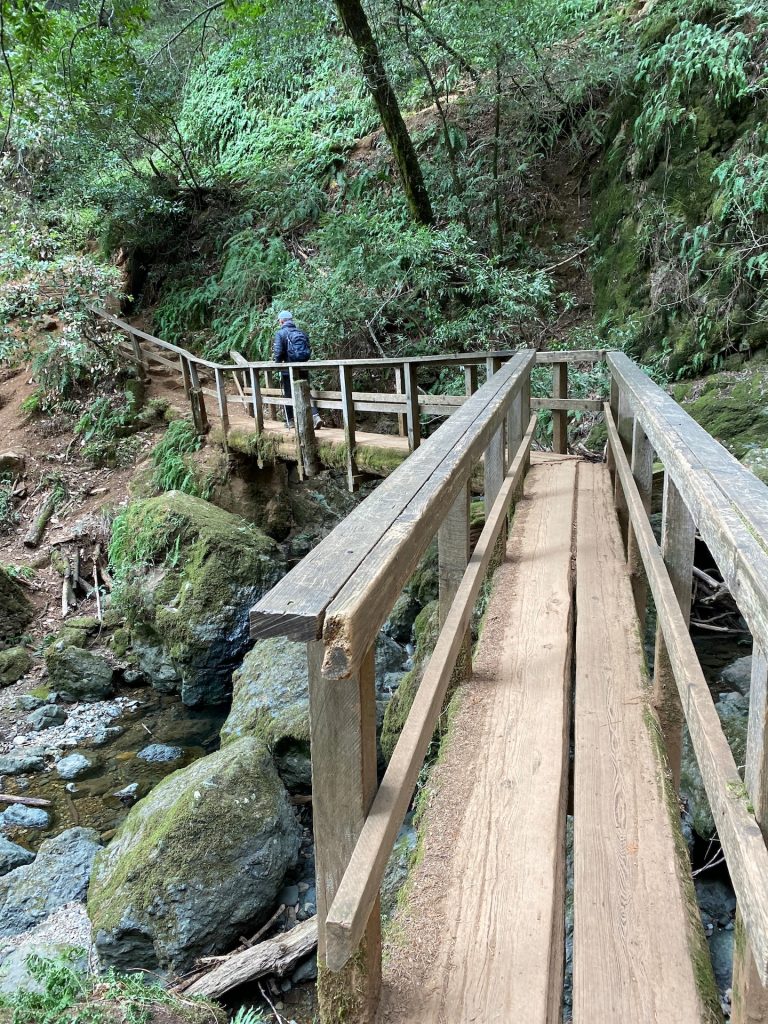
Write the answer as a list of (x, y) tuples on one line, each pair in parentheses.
[(90, 799)]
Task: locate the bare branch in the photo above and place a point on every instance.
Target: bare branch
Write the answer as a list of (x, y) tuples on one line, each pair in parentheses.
[(200, 14)]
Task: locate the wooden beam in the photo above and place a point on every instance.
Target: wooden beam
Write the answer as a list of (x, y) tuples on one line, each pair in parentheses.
[(258, 405), (297, 605), (592, 355), (348, 412), (560, 417), (740, 835), (470, 380), (221, 396), (412, 407), (580, 404), (494, 467), (453, 550), (357, 894), (305, 431), (642, 472), (402, 425), (343, 731), (184, 367), (197, 401), (624, 427)]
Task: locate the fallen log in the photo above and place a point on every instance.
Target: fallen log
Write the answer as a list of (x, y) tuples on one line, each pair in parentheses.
[(36, 530), (28, 801), (274, 956)]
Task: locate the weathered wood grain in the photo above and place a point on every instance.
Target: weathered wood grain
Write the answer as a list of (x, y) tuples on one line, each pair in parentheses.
[(628, 967), (559, 416)]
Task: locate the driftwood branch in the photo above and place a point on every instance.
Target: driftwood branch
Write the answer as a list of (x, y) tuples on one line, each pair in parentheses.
[(275, 956), (28, 801), (36, 530)]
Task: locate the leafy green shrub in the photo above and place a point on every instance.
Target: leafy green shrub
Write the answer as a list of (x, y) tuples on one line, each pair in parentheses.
[(107, 424), (170, 457), (9, 517)]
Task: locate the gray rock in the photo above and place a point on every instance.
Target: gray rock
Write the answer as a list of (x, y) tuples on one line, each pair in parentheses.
[(78, 675), (390, 656), (289, 896), (19, 816), (739, 674), (16, 611), (195, 863), (24, 762), (12, 463), (399, 625), (29, 703), (271, 701), (160, 753), (306, 971), (721, 953), (72, 766), (58, 875), (13, 856), (128, 793), (46, 717), (717, 902), (153, 663), (15, 975), (14, 663)]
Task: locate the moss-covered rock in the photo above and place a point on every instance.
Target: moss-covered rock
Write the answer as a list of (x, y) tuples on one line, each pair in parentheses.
[(188, 574), (15, 610), (77, 674), (426, 629), (14, 663), (196, 863), (733, 407), (270, 701)]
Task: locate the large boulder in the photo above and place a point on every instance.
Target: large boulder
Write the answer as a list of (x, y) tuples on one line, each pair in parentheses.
[(196, 863), (13, 856), (16, 612), (58, 875), (188, 574), (78, 675), (270, 700), (15, 662)]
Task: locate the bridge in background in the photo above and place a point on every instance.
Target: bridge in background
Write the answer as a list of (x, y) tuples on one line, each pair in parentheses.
[(564, 709)]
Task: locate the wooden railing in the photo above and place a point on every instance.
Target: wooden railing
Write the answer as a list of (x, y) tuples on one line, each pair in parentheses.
[(337, 599), (245, 386), (705, 490)]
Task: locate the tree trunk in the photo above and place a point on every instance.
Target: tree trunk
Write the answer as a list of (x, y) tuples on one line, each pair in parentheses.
[(356, 26)]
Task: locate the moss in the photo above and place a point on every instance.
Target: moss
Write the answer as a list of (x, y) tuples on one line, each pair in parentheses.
[(14, 663), (121, 642), (16, 612), (379, 461)]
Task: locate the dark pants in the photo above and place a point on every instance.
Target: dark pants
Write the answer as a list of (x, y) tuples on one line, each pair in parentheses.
[(299, 375)]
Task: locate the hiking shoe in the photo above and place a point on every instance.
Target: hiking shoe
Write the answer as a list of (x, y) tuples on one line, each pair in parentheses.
[(318, 424)]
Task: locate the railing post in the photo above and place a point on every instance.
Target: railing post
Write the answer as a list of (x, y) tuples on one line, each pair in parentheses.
[(625, 429), (678, 536), (494, 467), (525, 416), (305, 431), (184, 366), (492, 364), (412, 406), (258, 405), (470, 380), (197, 401), (348, 412), (642, 471), (560, 416), (221, 394), (453, 557), (402, 427), (749, 1002), (343, 730), (138, 353)]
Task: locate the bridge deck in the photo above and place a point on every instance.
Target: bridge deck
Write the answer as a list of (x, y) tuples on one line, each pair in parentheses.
[(482, 934)]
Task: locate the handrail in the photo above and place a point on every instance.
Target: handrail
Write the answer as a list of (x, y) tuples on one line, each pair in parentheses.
[(745, 850)]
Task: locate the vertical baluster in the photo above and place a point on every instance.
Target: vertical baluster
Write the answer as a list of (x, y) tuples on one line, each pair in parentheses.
[(402, 426), (348, 412), (625, 429), (678, 535), (343, 729), (221, 394), (559, 416), (412, 406), (470, 380), (453, 556), (184, 367), (642, 471), (256, 399), (750, 997)]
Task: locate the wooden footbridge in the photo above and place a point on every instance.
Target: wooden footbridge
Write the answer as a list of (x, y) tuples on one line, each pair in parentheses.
[(557, 712)]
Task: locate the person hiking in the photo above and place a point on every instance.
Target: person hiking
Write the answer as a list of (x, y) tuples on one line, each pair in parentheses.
[(291, 345)]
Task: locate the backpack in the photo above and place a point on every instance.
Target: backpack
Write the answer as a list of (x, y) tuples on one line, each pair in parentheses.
[(298, 346)]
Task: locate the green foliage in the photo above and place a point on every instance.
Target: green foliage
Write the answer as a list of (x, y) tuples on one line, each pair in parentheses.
[(173, 468), (108, 424), (9, 517), (67, 994)]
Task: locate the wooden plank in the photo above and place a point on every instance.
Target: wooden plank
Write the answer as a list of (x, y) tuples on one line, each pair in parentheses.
[(624, 426), (362, 605), (593, 355), (258, 405), (576, 404), (728, 503), (412, 407), (492, 948), (453, 551), (348, 411), (305, 431), (560, 416), (184, 367), (739, 833), (494, 467), (357, 892), (749, 1003), (343, 731), (402, 425), (642, 473), (678, 540), (296, 606), (628, 874), (470, 380), (221, 396)]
